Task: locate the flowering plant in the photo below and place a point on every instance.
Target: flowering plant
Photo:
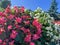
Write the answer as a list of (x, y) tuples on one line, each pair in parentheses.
[(50, 35), (18, 27)]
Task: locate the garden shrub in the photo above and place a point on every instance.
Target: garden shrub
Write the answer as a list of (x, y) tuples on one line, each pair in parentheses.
[(18, 28), (50, 35)]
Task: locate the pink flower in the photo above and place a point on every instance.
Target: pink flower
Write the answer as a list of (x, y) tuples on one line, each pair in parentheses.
[(9, 27), (18, 20), (13, 34), (2, 20), (2, 30), (26, 31), (7, 10), (25, 17), (27, 22), (10, 17), (17, 26), (16, 9), (4, 43), (39, 32), (0, 41), (32, 43), (37, 24), (22, 9), (22, 28), (2, 14), (27, 38), (35, 37), (11, 43)]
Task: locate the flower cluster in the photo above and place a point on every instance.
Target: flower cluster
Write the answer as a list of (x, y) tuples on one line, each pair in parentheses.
[(50, 31), (16, 25)]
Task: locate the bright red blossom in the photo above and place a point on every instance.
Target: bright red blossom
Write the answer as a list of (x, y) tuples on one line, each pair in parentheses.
[(27, 22), (35, 37), (8, 9), (2, 20), (22, 9), (27, 38), (18, 20), (16, 9), (25, 17), (10, 17)]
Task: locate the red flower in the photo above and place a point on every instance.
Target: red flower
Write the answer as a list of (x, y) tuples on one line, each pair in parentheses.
[(32, 43), (18, 20), (37, 24), (27, 38)]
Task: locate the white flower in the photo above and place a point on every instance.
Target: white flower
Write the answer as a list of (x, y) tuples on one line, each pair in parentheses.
[(56, 37)]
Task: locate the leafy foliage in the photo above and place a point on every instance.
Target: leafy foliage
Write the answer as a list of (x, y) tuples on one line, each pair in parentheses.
[(5, 3), (49, 31), (53, 10)]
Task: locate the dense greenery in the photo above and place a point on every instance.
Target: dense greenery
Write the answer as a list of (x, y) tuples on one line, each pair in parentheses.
[(53, 10), (4, 3)]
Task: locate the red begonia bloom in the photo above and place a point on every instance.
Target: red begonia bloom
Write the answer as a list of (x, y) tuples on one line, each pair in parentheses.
[(35, 37), (22, 9), (27, 38), (2, 20), (10, 17), (18, 20)]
